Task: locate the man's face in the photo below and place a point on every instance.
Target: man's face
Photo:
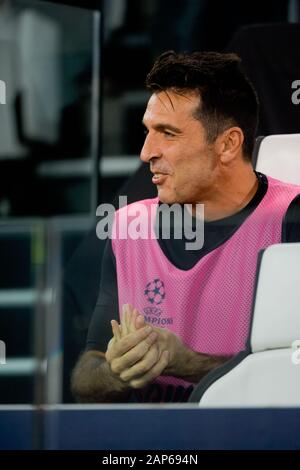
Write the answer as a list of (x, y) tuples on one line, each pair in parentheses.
[(183, 163)]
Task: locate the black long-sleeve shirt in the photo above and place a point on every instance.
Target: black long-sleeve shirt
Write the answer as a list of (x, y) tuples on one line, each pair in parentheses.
[(216, 233)]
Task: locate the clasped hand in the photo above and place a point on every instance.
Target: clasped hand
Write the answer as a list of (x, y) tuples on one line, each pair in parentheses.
[(138, 352)]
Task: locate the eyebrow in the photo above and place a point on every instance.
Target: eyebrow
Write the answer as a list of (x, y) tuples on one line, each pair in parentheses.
[(162, 126)]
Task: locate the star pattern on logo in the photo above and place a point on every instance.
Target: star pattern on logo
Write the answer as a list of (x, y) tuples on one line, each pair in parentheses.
[(155, 291)]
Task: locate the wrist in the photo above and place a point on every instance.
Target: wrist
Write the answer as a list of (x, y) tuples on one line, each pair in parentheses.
[(180, 357), (191, 365), (116, 383)]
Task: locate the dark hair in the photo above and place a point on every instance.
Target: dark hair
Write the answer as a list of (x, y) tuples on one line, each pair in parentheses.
[(227, 98)]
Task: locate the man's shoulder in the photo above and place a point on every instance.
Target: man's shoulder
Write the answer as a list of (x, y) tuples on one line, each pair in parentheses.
[(283, 184), (134, 220)]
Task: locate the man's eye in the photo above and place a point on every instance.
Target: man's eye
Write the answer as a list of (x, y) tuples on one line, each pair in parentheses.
[(146, 131), (168, 134)]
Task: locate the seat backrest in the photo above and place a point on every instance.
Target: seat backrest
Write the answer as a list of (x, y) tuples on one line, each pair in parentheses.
[(267, 373), (279, 156)]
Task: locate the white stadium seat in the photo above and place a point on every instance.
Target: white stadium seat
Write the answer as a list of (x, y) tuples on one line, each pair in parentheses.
[(279, 156), (267, 373)]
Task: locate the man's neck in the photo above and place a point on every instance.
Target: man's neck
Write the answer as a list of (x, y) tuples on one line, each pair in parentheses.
[(231, 195)]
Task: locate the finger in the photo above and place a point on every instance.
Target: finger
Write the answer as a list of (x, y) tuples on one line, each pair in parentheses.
[(116, 330), (140, 322), (120, 364), (110, 343), (142, 366), (128, 315), (119, 348), (124, 321), (131, 325), (156, 371), (110, 349)]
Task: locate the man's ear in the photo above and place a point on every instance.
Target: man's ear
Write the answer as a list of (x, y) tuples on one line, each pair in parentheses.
[(229, 144)]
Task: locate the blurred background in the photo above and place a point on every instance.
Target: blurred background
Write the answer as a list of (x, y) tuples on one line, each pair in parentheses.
[(70, 136)]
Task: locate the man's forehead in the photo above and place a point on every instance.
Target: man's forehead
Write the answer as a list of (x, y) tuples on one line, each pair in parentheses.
[(167, 101)]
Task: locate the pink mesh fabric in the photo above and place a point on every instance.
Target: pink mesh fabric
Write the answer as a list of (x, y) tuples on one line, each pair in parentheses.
[(209, 305)]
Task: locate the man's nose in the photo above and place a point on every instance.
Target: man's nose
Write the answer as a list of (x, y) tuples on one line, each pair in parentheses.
[(150, 149)]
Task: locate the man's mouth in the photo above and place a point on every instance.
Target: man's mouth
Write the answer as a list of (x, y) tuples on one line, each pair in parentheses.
[(159, 178)]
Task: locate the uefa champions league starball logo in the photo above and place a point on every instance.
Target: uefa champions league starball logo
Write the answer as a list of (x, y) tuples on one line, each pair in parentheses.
[(155, 292)]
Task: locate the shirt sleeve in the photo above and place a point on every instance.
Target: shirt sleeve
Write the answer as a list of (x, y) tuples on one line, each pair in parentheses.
[(106, 309), (291, 223)]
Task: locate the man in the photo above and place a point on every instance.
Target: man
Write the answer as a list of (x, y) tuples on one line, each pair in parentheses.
[(184, 312)]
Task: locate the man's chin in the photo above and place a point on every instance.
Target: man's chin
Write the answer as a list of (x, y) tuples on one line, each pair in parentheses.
[(166, 198)]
